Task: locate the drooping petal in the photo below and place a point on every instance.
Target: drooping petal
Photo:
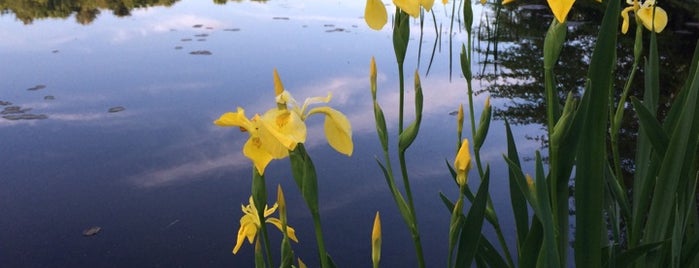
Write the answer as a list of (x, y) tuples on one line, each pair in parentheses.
[(645, 14), (427, 4), (375, 14), (560, 8), (248, 229), (625, 19), (260, 157), (281, 128), (289, 231), (462, 163), (338, 130), (412, 7), (235, 119), (269, 211), (314, 100)]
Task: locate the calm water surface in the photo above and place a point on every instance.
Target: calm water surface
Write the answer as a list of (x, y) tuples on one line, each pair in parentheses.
[(165, 184)]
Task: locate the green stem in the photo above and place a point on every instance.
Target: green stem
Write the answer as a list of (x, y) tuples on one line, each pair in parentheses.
[(259, 192), (319, 239), (413, 224), (401, 84)]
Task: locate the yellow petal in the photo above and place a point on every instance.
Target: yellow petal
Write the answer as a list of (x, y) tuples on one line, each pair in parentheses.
[(560, 8), (625, 19), (237, 119), (289, 231), (278, 86), (247, 230), (314, 100), (301, 264), (483, 2), (462, 163), (645, 14), (375, 14), (445, 1), (281, 128), (505, 2), (427, 4), (338, 130), (260, 157), (412, 7)]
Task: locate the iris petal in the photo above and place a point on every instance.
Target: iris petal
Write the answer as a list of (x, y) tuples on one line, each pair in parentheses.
[(237, 119), (560, 8), (338, 130), (375, 14), (645, 14), (289, 231), (412, 7), (254, 151)]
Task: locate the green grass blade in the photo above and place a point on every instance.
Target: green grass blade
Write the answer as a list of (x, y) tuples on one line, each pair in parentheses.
[(519, 203), (591, 153), (471, 230), (651, 128)]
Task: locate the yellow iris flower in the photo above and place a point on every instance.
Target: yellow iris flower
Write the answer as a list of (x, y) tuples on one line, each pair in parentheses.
[(644, 13), (250, 224), (376, 16), (462, 163), (338, 130), (272, 135)]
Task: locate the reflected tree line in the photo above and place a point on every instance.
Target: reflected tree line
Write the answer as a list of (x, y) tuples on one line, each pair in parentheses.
[(85, 11), (515, 45)]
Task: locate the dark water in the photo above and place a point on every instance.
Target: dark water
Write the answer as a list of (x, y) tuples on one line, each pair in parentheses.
[(126, 140)]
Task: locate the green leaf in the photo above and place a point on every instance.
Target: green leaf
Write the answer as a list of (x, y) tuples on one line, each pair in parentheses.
[(532, 245), (628, 257), (517, 199), (651, 128), (483, 126), (407, 137), (471, 230), (381, 126), (397, 196), (550, 248), (553, 43), (304, 171), (591, 151), (401, 35), (465, 64)]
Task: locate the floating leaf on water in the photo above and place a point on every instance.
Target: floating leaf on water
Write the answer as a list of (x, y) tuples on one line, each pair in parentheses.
[(280, 18), (328, 25), (4, 103), (37, 87), (232, 29), (25, 117), (178, 47), (116, 109), (201, 39), (201, 35), (14, 110), (197, 26), (200, 52), (335, 30), (54, 51), (453, 112), (209, 28), (92, 231), (186, 39), (49, 97)]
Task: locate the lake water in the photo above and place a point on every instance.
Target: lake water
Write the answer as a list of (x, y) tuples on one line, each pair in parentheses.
[(164, 184)]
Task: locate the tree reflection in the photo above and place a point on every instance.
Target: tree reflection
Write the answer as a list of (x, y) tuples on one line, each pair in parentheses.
[(86, 11), (514, 75)]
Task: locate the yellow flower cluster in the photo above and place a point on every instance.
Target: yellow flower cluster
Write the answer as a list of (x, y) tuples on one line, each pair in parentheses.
[(644, 13), (375, 12), (250, 224), (280, 129)]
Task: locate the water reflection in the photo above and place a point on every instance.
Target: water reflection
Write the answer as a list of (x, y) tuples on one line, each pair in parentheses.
[(520, 36)]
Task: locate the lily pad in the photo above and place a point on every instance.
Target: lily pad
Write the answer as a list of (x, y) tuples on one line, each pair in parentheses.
[(4, 103), (200, 52), (197, 25), (25, 117), (92, 231), (37, 87), (116, 109), (49, 97)]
